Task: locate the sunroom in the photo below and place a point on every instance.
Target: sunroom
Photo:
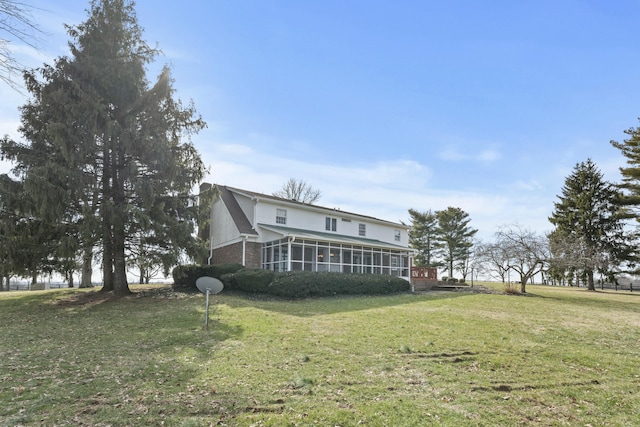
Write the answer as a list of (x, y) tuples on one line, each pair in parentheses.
[(298, 250)]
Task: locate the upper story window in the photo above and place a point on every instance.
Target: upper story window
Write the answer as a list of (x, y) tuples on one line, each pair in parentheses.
[(362, 229), (281, 216), (396, 235), (330, 224)]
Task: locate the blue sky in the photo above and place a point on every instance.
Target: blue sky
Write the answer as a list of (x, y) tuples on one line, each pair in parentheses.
[(386, 106)]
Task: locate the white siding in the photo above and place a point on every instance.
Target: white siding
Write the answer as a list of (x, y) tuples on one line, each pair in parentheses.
[(314, 220), (223, 229)]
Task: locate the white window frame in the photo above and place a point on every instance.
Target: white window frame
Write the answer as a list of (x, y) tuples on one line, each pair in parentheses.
[(281, 216), (330, 224)]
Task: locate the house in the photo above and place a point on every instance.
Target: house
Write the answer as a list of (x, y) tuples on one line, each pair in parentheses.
[(263, 231)]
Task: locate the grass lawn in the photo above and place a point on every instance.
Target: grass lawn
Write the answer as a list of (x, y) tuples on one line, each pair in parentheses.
[(559, 356)]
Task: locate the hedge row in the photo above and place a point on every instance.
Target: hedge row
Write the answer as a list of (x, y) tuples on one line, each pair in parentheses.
[(185, 276), (291, 284), (302, 284)]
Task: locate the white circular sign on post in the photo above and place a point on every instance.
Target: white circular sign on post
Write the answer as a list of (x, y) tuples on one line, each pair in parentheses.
[(212, 284), (208, 286)]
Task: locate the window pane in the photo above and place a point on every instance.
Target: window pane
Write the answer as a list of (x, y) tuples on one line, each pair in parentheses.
[(334, 255), (377, 259), (309, 253), (346, 256), (296, 252), (323, 254), (281, 216)]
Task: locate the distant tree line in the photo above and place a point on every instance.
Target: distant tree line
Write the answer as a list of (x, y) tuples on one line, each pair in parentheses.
[(595, 233)]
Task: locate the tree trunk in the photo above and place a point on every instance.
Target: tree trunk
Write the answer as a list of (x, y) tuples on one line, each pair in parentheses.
[(107, 264), (87, 270), (590, 283), (120, 285), (107, 215)]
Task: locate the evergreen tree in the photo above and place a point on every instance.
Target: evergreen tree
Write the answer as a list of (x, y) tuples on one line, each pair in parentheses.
[(454, 237), (28, 246), (106, 151), (589, 223), (630, 148), (423, 238)]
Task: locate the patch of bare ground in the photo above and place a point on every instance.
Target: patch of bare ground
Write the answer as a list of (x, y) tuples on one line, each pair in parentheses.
[(478, 289), (97, 297), (85, 299)]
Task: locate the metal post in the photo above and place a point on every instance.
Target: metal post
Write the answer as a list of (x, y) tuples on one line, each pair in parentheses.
[(206, 310)]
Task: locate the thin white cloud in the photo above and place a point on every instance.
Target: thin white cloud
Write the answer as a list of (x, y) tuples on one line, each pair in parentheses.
[(453, 154), (490, 155), (531, 185)]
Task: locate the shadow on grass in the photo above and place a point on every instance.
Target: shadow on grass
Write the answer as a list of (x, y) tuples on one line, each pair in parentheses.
[(596, 299), (320, 306), (502, 387)]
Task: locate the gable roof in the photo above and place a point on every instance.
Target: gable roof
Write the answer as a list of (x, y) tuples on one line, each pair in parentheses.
[(237, 214), (309, 206)]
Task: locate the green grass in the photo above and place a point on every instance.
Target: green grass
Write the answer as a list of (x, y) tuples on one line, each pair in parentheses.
[(560, 356)]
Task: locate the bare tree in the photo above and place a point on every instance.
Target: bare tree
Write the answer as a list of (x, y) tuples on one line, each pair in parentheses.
[(299, 191), (473, 263), (495, 260), (16, 24), (528, 251)]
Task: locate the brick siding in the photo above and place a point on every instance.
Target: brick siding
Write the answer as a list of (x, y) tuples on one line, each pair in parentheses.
[(232, 254)]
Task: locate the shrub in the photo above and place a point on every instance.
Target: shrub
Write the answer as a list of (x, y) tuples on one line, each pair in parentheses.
[(461, 281), (185, 276), (249, 280), (301, 284), (511, 288), (453, 280)]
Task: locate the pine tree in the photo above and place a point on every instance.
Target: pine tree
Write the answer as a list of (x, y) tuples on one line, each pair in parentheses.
[(454, 236), (589, 223), (106, 151), (422, 237), (630, 148)]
